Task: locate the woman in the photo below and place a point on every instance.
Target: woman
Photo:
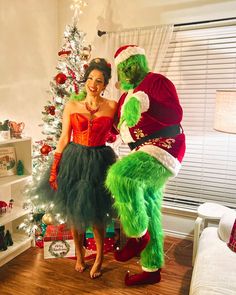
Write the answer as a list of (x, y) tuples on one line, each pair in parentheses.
[(79, 167)]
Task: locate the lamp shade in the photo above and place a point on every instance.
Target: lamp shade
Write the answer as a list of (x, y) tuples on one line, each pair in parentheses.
[(225, 111)]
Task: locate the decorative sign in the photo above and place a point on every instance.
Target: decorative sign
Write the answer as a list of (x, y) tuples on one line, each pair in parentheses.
[(7, 161), (59, 249)]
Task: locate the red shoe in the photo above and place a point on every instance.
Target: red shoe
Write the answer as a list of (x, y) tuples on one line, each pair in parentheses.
[(143, 278), (132, 248)]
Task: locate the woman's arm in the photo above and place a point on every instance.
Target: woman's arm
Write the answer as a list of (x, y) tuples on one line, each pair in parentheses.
[(62, 143), (66, 129)]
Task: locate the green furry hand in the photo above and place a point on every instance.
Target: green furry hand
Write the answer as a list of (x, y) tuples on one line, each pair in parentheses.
[(132, 112), (78, 97)]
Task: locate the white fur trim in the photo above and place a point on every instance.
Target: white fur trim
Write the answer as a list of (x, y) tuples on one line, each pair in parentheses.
[(149, 270), (170, 162), (144, 100), (128, 52), (125, 134), (141, 234)]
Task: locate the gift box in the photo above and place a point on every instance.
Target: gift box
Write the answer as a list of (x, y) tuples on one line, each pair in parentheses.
[(90, 245), (90, 249), (58, 242), (110, 231)]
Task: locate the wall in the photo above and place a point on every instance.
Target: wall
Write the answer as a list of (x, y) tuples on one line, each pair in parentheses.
[(113, 15), (29, 42), (127, 14)]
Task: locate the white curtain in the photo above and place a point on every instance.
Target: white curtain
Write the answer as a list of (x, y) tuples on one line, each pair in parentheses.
[(155, 40)]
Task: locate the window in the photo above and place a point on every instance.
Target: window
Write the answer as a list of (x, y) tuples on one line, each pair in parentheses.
[(201, 59)]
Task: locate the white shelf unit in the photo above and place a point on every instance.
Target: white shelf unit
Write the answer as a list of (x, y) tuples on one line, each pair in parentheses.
[(11, 187)]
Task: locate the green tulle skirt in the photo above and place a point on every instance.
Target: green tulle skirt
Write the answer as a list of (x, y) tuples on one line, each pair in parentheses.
[(81, 199)]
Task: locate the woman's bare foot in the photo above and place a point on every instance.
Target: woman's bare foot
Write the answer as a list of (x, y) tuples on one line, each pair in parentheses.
[(96, 270), (80, 265)]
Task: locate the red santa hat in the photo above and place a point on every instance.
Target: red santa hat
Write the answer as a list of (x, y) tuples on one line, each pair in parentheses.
[(126, 51)]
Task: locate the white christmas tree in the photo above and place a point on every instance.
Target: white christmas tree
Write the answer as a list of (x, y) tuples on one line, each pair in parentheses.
[(68, 82)]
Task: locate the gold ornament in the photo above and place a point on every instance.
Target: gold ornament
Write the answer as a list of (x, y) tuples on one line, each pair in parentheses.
[(86, 53), (48, 219)]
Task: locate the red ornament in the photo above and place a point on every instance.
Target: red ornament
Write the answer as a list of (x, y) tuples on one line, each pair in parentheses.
[(60, 78), (64, 52), (85, 66), (39, 242), (45, 149), (50, 110)]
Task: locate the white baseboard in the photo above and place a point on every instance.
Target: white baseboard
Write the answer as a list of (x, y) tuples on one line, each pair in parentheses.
[(179, 235), (178, 222)]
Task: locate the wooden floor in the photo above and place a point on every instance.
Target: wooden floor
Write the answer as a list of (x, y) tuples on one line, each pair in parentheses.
[(31, 274)]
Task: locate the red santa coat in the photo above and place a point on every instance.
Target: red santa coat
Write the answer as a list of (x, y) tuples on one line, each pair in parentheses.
[(160, 108)]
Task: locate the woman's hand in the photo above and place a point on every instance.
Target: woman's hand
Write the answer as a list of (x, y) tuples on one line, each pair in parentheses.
[(54, 171)]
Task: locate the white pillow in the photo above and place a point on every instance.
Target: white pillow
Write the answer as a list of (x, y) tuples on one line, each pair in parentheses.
[(226, 225)]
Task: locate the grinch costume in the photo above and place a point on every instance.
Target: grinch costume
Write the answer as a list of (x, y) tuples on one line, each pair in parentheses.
[(149, 116)]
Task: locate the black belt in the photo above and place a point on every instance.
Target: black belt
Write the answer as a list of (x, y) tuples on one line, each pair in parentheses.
[(169, 131)]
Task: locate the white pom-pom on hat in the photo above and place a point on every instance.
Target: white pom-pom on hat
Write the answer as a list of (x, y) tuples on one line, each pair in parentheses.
[(126, 51)]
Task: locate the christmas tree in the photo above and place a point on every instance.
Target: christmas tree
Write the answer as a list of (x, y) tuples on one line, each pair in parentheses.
[(68, 82)]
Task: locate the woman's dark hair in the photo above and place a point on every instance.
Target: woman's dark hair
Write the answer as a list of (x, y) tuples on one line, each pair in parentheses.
[(99, 64)]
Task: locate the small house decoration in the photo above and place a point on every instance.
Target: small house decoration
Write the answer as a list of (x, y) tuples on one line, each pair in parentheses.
[(3, 207), (10, 205), (5, 130)]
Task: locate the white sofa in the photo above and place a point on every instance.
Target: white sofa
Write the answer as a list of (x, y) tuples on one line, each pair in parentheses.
[(214, 269)]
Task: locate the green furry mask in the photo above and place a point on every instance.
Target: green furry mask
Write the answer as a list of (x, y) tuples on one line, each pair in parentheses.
[(132, 71)]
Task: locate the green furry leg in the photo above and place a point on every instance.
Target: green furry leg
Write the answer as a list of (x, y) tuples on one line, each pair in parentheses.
[(127, 190), (127, 180), (136, 182), (152, 256)]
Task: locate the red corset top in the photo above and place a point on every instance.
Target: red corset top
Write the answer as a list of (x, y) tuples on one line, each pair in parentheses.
[(90, 132)]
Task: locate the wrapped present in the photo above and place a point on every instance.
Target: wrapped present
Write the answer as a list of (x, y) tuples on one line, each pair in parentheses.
[(110, 231), (90, 250), (58, 242), (109, 241)]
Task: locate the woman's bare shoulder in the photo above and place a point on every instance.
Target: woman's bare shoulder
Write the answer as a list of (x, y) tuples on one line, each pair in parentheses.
[(71, 105), (112, 103)]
